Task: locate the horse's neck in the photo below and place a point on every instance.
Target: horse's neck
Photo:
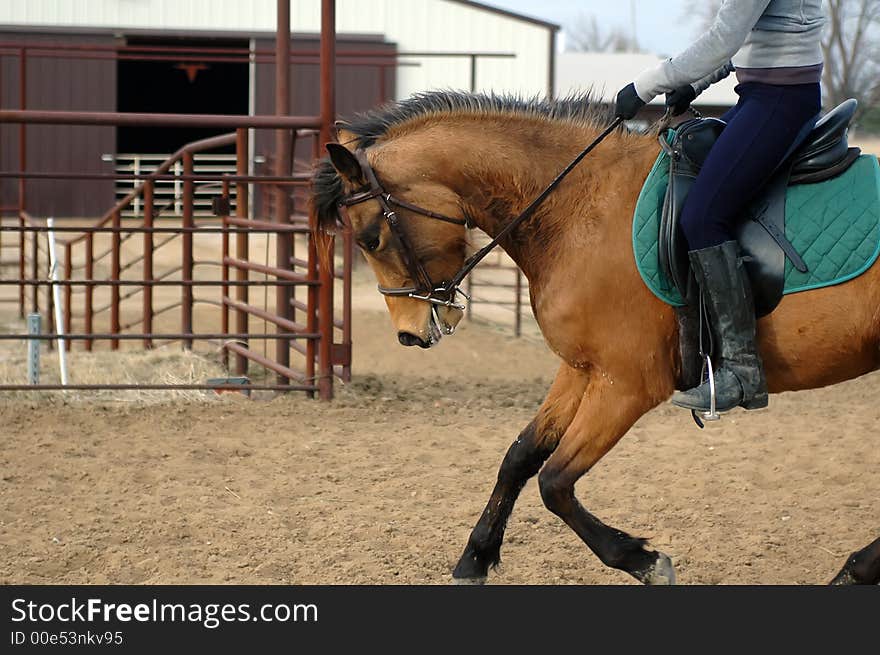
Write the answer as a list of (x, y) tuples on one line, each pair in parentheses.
[(501, 169)]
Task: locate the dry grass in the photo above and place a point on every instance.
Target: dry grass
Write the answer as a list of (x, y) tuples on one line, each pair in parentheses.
[(167, 363), (164, 365)]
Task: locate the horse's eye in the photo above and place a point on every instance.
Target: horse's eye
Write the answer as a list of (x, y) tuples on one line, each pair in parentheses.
[(369, 237)]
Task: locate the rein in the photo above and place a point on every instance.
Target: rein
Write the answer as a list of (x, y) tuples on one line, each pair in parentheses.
[(445, 293)]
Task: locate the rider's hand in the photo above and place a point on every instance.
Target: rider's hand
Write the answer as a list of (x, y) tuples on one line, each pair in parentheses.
[(680, 99), (628, 103)]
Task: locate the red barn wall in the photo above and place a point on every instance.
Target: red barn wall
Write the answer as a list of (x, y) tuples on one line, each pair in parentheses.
[(54, 83)]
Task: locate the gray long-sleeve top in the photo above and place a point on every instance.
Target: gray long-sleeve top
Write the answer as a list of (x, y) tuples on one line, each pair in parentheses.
[(775, 41)]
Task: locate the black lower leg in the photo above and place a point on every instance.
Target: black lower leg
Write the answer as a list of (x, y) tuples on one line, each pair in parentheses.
[(522, 461), (614, 548), (861, 568)]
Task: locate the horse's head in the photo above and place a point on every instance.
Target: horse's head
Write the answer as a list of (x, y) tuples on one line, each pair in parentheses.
[(437, 246)]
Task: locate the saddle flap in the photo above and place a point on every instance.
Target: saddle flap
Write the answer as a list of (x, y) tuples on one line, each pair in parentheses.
[(763, 251), (673, 249), (688, 151)]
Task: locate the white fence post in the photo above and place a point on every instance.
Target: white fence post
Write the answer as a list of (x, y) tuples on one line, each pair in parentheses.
[(56, 299)]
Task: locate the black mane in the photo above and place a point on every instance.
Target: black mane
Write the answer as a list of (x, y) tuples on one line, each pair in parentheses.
[(372, 125)]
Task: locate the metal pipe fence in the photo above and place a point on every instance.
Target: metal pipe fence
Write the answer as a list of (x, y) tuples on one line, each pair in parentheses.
[(119, 286), (116, 290), (499, 293), (127, 268)]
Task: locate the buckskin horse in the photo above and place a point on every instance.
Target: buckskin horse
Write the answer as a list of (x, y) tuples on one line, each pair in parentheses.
[(416, 174)]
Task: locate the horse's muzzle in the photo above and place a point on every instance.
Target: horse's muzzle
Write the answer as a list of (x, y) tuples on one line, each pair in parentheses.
[(408, 339)]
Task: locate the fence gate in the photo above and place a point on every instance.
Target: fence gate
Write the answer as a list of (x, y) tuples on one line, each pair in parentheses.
[(156, 270), (183, 256)]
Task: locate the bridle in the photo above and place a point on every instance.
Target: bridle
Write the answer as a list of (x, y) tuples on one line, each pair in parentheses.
[(424, 289), (444, 294)]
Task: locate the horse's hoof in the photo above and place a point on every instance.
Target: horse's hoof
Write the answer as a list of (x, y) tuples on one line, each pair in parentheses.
[(662, 573), (843, 579), (469, 582)]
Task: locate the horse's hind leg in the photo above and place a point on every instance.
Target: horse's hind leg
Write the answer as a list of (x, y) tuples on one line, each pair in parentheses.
[(607, 412), (862, 567), (522, 461)]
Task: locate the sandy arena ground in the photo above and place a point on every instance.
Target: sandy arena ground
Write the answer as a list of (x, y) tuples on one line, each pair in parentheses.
[(384, 484)]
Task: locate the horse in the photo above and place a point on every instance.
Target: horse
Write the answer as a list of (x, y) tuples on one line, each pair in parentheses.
[(483, 158)]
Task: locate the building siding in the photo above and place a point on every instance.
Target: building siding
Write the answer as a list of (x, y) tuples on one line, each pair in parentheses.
[(385, 25), (412, 24), (60, 84)]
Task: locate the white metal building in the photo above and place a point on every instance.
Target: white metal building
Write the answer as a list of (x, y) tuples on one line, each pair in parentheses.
[(414, 25), (606, 73)]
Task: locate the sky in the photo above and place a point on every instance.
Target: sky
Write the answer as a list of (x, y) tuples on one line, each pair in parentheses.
[(661, 25)]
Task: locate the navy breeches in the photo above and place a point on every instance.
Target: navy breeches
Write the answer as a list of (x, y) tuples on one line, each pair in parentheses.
[(764, 128)]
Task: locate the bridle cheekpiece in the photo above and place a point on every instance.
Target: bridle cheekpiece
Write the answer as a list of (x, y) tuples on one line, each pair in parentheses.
[(424, 289)]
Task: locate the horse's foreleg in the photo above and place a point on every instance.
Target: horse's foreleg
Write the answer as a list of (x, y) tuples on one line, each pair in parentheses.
[(523, 460), (607, 412), (862, 567)]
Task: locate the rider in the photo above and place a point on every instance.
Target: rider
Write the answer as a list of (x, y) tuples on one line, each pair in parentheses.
[(777, 57)]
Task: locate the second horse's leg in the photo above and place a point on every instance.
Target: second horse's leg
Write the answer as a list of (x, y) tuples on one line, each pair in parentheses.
[(609, 409), (522, 461)]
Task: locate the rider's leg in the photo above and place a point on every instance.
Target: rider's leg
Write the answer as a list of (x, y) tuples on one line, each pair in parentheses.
[(768, 122)]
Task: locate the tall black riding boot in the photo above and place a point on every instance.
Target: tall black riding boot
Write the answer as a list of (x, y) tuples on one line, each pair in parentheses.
[(739, 376)]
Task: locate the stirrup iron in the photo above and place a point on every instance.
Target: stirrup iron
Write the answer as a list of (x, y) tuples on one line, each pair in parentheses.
[(711, 415)]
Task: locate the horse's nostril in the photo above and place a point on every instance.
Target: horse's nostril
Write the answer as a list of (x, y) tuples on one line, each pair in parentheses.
[(407, 339)]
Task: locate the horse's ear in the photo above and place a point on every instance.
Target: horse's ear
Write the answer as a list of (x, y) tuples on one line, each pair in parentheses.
[(343, 134), (345, 163)]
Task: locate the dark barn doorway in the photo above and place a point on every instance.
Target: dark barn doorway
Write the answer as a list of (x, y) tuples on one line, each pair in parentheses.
[(180, 83)]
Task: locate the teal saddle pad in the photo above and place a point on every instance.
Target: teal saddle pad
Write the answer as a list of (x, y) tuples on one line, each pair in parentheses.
[(834, 225)]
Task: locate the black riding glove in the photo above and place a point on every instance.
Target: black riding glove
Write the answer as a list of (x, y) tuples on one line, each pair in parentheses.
[(628, 103), (680, 99)]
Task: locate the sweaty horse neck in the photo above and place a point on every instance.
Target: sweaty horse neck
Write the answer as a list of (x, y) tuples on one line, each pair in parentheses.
[(499, 169)]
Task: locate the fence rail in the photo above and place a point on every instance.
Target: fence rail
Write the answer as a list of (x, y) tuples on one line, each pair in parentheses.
[(499, 292), (108, 271), (116, 290), (119, 286)]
